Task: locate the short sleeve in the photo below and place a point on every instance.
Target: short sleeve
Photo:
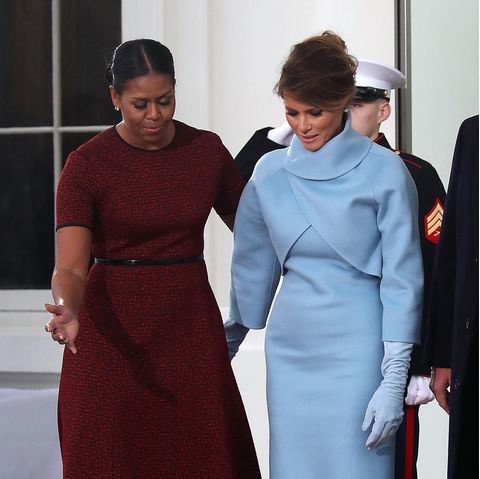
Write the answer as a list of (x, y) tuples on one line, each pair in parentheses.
[(231, 185), (75, 194)]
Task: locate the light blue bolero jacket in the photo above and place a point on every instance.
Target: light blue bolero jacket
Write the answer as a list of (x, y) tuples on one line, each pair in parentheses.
[(359, 197)]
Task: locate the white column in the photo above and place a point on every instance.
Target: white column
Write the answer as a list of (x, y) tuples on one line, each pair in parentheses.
[(143, 19), (368, 30), (445, 55)]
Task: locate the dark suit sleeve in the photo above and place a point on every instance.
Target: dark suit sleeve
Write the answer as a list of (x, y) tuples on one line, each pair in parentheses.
[(257, 146), (431, 199)]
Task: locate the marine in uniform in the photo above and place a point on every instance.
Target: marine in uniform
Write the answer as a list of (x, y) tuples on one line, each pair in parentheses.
[(370, 108)]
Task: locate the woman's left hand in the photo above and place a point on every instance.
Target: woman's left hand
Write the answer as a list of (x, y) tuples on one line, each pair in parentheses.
[(385, 410), (63, 326)]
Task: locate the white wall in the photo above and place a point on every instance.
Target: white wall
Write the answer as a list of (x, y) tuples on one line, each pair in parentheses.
[(444, 79), (24, 345), (444, 87)]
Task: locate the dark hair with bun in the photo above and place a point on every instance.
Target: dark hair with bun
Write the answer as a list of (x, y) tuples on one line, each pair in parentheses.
[(136, 58)]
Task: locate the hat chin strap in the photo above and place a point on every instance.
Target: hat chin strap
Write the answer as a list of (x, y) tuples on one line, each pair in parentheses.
[(369, 93)]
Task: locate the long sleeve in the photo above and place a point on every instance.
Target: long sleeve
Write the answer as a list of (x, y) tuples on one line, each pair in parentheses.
[(401, 286), (253, 150), (431, 199), (255, 267), (454, 299)]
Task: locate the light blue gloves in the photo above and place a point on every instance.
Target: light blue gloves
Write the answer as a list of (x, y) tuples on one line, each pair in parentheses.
[(385, 408), (235, 334)]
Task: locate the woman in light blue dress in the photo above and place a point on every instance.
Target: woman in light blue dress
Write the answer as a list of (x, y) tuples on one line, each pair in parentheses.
[(335, 215)]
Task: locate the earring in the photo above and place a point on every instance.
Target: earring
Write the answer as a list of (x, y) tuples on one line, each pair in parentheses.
[(117, 108)]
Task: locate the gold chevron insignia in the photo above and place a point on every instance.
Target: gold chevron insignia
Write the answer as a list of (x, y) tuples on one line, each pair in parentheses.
[(433, 222)]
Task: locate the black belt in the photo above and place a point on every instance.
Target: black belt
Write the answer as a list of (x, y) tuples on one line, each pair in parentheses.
[(147, 262)]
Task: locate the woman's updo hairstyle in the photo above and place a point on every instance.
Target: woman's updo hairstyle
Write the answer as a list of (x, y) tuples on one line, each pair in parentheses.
[(319, 71), (136, 58)]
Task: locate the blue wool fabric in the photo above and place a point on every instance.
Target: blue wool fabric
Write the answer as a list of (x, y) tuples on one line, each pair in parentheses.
[(340, 224)]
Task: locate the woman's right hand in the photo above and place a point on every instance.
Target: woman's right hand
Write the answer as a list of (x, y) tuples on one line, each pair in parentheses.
[(63, 325)]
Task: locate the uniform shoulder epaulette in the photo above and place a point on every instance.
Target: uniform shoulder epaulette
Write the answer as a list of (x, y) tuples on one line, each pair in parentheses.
[(413, 160)]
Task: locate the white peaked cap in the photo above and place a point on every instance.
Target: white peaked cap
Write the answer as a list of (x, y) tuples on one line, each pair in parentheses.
[(376, 75)]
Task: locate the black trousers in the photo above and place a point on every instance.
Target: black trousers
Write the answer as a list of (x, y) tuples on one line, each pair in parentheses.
[(463, 430)]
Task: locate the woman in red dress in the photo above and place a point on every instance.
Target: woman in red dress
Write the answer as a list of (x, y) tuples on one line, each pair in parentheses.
[(146, 390)]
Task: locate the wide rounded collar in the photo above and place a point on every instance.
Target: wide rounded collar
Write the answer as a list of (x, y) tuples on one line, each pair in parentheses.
[(335, 158)]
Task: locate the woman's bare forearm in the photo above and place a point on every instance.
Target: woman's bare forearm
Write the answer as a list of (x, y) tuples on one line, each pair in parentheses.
[(68, 289)]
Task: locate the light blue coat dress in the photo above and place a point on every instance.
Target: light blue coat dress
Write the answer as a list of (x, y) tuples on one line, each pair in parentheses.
[(340, 225)]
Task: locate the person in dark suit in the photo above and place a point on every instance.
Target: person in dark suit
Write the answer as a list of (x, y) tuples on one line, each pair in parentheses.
[(453, 332), (369, 109)]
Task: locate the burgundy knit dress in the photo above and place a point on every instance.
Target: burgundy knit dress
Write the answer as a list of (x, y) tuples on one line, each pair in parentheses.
[(150, 393)]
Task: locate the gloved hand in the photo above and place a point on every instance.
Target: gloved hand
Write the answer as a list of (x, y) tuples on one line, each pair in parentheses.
[(235, 334), (385, 408), (418, 391)]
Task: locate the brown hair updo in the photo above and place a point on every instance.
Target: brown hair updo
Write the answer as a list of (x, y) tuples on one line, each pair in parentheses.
[(319, 71)]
